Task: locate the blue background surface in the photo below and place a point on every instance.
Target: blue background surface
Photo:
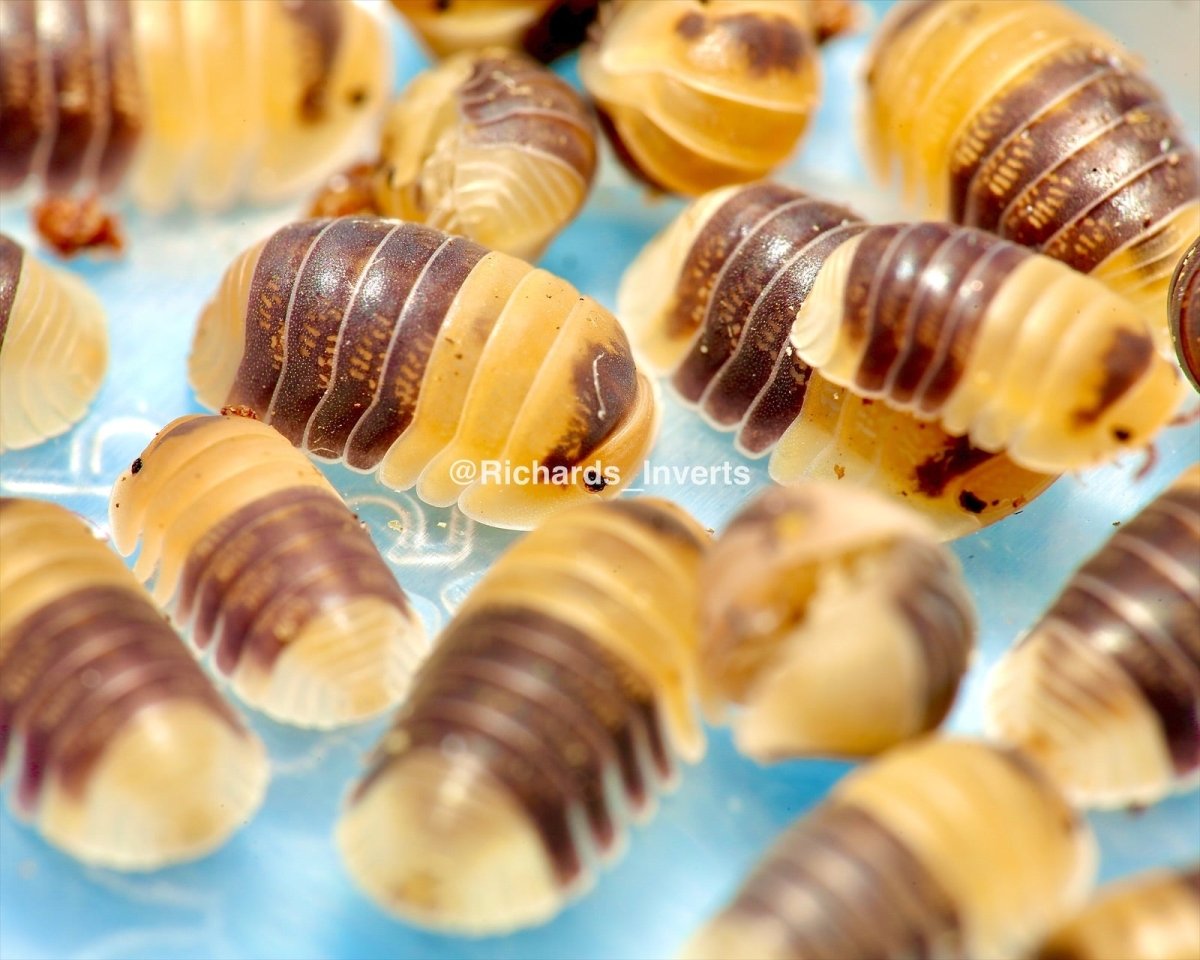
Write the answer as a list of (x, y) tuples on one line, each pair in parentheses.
[(278, 889)]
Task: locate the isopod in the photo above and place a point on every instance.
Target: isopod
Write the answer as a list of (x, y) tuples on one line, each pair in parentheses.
[(711, 301), (255, 555), (1013, 350), (1183, 308), (1024, 119), (53, 348), (491, 146), (186, 100), (1104, 690), (544, 29), (942, 848), (697, 95), (552, 709), (127, 756), (835, 622), (432, 361), (1150, 916)]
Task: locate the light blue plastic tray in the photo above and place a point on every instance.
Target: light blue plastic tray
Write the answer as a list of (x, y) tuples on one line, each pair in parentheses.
[(277, 890)]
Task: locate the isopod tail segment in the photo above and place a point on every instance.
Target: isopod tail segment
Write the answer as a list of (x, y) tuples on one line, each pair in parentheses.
[(833, 623), (126, 755), (549, 714), (1013, 350), (1151, 914), (257, 557), (432, 362), (1022, 118), (1104, 690), (1183, 312), (943, 847), (53, 349), (710, 302)]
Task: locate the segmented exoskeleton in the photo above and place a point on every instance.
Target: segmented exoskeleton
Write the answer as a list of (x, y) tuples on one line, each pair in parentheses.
[(699, 94), (833, 621), (1013, 350), (944, 848), (712, 299), (185, 99), (1105, 688), (491, 146), (1019, 117), (256, 556), (53, 349), (549, 712), (127, 756), (1183, 312), (1152, 914), (396, 348), (544, 29)]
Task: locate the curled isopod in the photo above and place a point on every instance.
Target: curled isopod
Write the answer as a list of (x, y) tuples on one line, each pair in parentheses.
[(1013, 350), (432, 361), (1151, 916), (53, 349), (550, 712), (834, 621), (255, 555), (192, 100), (128, 757), (942, 848), (711, 301), (544, 29), (1105, 689), (1184, 312), (1020, 117), (699, 94), (491, 146)]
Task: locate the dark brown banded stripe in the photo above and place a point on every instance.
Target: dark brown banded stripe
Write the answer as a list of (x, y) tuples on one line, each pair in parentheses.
[(508, 101), (261, 575), (769, 249), (1124, 603), (76, 93), (12, 260), (545, 710), (840, 884), (778, 404), (662, 523), (1183, 312), (125, 106), (604, 381), (76, 670), (562, 28), (24, 98), (319, 27)]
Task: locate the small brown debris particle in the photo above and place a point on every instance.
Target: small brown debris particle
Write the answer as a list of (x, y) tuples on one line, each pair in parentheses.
[(72, 224), (136, 466), (239, 410)]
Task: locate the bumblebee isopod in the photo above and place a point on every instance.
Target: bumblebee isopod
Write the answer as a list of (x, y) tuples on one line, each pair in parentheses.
[(192, 100), (1105, 688), (127, 757), (551, 710), (1183, 312), (1150, 916), (53, 348), (544, 29), (431, 361), (711, 300), (1011, 349), (698, 94), (943, 848), (834, 621), (254, 554), (488, 145), (1020, 117)]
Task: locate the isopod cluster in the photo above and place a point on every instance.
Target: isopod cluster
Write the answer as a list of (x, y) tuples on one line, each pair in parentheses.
[(834, 621), (544, 29), (549, 713), (126, 755), (53, 348), (1021, 118), (404, 351), (257, 557), (939, 848), (185, 100), (491, 146), (1105, 689)]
